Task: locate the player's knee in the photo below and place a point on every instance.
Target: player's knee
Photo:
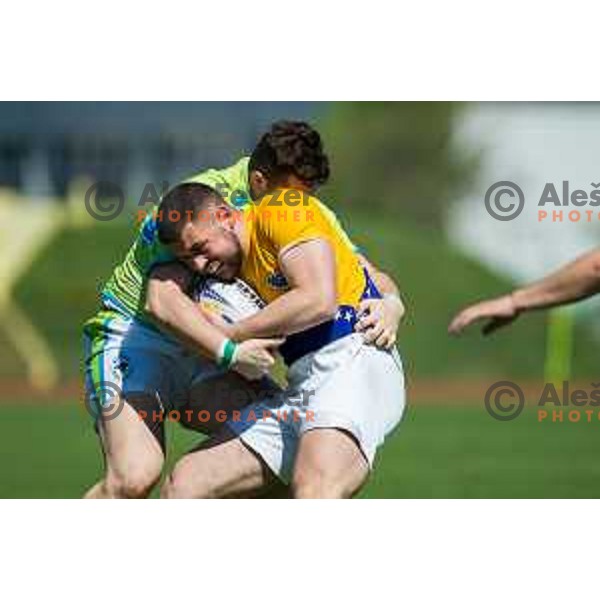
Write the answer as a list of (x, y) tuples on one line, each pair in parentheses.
[(181, 485), (317, 485), (136, 482), (175, 487)]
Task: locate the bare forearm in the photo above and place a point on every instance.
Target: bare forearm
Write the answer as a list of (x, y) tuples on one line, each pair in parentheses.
[(385, 284), (174, 311), (295, 311), (576, 281)]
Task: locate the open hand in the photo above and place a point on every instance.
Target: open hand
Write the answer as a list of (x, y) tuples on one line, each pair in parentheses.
[(499, 312)]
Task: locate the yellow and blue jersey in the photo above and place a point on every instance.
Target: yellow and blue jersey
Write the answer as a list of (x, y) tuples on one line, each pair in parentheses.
[(272, 227)]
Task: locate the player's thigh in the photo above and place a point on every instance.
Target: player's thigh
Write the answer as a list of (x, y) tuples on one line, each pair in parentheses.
[(222, 467), (134, 457), (132, 452), (329, 464)]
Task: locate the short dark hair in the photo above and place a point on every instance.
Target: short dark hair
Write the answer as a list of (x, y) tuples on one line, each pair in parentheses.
[(291, 148), (183, 199)]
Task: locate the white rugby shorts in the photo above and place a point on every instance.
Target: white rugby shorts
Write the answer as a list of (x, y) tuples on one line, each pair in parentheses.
[(346, 385)]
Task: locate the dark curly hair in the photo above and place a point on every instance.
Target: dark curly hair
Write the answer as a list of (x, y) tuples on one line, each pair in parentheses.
[(180, 200), (291, 148)]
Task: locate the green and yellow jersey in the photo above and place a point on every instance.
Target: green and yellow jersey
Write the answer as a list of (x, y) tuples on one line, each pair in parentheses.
[(125, 291)]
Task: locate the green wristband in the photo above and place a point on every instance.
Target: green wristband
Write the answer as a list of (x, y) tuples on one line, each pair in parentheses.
[(227, 353)]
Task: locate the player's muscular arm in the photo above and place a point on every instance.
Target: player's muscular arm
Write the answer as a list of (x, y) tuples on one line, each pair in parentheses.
[(575, 281), (381, 317), (385, 284), (168, 303), (309, 268)]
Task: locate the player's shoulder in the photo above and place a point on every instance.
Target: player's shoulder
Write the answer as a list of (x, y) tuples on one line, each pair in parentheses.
[(285, 208), (235, 174), (145, 227), (287, 198), (231, 182)]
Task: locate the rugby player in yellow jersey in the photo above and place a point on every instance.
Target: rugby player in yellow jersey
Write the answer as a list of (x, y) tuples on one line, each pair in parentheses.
[(125, 350), (291, 155), (313, 283)]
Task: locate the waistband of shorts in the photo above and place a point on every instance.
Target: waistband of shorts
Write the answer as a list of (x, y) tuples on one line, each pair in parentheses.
[(110, 303), (300, 344), (110, 321)]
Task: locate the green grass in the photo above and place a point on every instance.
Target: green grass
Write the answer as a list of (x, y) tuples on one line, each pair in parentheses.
[(438, 452), (461, 452)]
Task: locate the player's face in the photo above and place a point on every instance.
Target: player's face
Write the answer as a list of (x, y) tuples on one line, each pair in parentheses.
[(209, 249)]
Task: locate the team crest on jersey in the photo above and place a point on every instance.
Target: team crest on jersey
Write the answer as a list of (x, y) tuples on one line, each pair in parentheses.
[(277, 281)]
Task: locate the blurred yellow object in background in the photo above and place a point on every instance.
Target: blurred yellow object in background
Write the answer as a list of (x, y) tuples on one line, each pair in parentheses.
[(76, 214), (26, 228)]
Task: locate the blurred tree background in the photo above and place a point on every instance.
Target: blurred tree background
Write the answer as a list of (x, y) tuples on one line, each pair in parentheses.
[(398, 168), (401, 159)]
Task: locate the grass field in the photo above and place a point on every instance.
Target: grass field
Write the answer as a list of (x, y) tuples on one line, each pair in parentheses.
[(438, 452)]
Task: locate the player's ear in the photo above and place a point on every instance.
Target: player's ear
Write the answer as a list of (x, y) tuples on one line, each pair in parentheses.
[(223, 214), (259, 184)]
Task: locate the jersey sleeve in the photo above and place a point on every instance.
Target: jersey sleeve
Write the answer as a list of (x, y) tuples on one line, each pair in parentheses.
[(285, 226)]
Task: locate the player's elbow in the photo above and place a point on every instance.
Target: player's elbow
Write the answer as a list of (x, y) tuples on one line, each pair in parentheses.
[(325, 306), (157, 300), (595, 265), (152, 306)]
